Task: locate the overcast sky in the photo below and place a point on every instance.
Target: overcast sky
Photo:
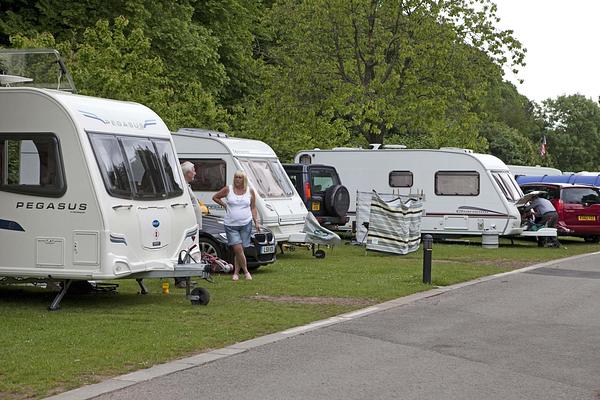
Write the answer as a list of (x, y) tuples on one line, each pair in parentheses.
[(563, 50)]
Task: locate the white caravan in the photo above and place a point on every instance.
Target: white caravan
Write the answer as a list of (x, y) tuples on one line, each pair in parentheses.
[(90, 189), (216, 158), (464, 193), (529, 170)]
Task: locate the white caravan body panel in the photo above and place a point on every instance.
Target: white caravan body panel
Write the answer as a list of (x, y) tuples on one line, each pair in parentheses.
[(484, 206), (279, 206), (530, 170), (84, 232)]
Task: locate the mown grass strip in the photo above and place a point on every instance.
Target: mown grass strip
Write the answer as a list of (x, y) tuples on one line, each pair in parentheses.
[(95, 337)]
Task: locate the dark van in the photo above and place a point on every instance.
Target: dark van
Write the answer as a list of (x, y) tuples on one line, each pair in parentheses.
[(321, 191)]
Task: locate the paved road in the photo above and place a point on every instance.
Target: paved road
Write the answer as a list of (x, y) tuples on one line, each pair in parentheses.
[(533, 335)]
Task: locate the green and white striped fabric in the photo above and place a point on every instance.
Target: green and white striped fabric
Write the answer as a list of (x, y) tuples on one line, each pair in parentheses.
[(394, 226)]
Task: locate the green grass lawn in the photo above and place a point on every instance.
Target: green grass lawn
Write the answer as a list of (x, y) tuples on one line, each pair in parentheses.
[(95, 337)]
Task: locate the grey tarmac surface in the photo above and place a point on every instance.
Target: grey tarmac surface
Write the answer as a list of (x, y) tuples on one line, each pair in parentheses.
[(531, 335)]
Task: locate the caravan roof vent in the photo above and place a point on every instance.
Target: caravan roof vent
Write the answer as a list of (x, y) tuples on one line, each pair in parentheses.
[(380, 146), (202, 132), (7, 80), (457, 149), (393, 146)]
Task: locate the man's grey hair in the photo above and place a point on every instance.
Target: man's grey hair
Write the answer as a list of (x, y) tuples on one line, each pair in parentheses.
[(187, 166)]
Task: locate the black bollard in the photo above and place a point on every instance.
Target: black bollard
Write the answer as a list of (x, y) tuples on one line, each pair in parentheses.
[(427, 250)]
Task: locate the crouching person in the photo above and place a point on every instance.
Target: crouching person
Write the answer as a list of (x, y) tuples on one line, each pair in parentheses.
[(545, 214)]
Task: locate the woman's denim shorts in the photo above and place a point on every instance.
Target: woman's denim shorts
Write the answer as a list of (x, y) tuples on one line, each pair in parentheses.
[(239, 234)]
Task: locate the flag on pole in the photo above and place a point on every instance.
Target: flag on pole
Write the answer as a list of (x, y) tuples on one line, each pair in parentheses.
[(543, 147)]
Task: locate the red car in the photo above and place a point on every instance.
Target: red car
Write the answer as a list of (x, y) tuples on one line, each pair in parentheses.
[(578, 208)]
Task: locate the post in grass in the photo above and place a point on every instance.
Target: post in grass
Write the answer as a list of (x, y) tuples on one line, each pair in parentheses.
[(427, 252)]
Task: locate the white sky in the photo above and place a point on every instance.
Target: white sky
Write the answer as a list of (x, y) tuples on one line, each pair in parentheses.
[(563, 47)]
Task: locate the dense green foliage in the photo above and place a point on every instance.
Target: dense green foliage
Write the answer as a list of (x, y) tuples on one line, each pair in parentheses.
[(573, 125), (314, 73)]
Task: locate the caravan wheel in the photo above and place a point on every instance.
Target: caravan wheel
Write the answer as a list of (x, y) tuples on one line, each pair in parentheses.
[(320, 254), (200, 296)]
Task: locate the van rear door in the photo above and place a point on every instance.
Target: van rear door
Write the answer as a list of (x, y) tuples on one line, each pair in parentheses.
[(581, 207), (321, 178)]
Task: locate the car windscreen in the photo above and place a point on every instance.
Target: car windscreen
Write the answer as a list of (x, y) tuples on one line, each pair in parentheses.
[(267, 177), (137, 168), (322, 179)]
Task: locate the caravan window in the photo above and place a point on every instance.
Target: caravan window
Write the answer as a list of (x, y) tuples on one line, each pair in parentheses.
[(268, 178), (169, 167), (509, 187), (210, 174), (144, 167), (401, 179), (139, 168), (112, 165), (503, 188), (512, 184), (457, 183), (31, 164)]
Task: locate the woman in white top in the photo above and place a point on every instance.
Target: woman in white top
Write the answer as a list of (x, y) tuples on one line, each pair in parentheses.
[(239, 201)]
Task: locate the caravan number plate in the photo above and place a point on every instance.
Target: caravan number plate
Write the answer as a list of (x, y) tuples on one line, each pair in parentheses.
[(267, 249), (586, 218)]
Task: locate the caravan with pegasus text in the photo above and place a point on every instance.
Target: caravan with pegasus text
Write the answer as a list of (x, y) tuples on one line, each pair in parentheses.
[(90, 189)]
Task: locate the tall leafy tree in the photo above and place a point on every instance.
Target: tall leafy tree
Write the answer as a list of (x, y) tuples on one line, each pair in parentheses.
[(573, 132), (202, 42), (236, 26), (114, 60), (510, 124), (191, 75), (356, 71), (508, 144)]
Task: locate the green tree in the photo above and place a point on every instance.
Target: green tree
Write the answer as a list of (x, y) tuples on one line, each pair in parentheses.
[(116, 61), (209, 42), (509, 144), (573, 132), (510, 124), (360, 71), (206, 47), (236, 26)]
